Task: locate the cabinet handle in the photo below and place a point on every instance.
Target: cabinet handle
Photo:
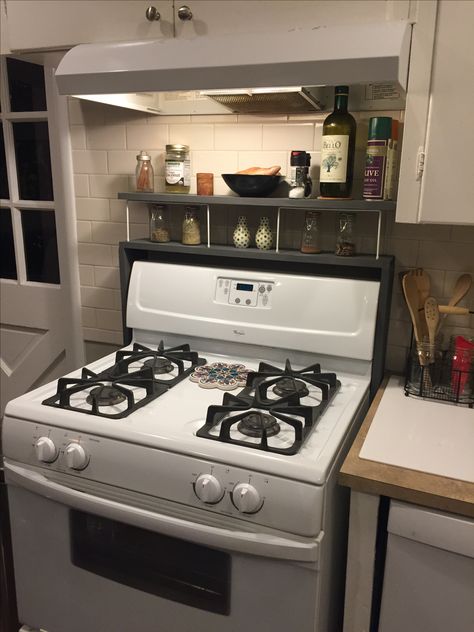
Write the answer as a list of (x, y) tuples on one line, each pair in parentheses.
[(185, 13), (152, 14)]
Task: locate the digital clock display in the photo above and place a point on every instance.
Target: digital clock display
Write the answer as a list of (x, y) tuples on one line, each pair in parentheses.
[(246, 287)]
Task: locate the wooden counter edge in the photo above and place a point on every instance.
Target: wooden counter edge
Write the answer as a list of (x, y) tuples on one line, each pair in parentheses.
[(429, 490)]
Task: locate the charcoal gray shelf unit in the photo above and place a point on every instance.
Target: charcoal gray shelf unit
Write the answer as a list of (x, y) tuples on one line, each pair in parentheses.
[(280, 204)]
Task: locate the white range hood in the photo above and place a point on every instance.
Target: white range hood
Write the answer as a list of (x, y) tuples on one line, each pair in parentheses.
[(359, 54)]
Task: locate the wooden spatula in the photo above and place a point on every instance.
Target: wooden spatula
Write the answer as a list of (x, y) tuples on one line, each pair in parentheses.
[(410, 292), (432, 321), (462, 287)]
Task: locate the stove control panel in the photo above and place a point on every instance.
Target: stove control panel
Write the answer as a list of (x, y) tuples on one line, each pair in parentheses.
[(76, 456), (246, 498), (208, 489), (244, 293), (45, 450)]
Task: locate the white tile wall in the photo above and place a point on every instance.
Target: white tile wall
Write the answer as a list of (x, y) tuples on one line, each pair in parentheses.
[(105, 142)]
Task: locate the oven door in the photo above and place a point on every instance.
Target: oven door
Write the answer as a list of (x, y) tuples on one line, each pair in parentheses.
[(83, 562)]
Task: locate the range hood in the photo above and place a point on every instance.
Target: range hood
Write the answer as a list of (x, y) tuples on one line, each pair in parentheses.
[(360, 54)]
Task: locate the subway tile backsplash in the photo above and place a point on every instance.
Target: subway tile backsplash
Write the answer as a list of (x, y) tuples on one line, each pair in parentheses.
[(105, 141)]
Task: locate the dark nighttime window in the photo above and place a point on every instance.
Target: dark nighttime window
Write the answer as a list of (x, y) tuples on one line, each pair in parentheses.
[(40, 244), (26, 85), (151, 562), (33, 161), (4, 192), (7, 247)]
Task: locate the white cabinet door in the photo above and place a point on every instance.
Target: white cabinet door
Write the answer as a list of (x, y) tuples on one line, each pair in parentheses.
[(438, 118), (233, 16), (447, 191), (51, 24)]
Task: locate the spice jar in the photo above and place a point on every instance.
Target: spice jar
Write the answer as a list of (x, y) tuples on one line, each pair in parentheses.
[(345, 240), (205, 183), (159, 223), (177, 169), (310, 235), (144, 173), (191, 229)]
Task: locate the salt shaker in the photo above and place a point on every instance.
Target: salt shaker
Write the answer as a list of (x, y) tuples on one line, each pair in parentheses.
[(144, 173)]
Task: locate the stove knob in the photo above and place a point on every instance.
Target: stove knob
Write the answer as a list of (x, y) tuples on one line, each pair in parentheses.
[(76, 457), (208, 489), (246, 498), (45, 450)]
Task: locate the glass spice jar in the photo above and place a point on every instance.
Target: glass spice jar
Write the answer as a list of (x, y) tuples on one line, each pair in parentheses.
[(159, 223), (177, 169), (191, 228), (144, 173), (310, 235), (345, 240)]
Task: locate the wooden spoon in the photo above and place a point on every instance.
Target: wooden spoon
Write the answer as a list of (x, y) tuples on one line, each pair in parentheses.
[(411, 297), (462, 287), (423, 283), (432, 321)]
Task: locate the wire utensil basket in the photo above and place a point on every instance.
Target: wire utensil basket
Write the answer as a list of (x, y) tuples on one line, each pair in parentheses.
[(439, 375)]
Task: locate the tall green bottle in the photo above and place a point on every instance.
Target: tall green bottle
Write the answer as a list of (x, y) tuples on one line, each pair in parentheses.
[(337, 149)]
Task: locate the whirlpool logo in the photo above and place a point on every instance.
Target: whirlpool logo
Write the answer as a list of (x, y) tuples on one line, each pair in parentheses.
[(238, 332)]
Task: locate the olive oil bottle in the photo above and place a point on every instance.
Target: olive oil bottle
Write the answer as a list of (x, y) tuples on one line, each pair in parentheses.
[(337, 149)]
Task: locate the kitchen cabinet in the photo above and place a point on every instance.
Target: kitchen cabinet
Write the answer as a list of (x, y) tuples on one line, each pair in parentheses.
[(428, 562), (65, 24), (48, 24), (429, 571), (436, 184)]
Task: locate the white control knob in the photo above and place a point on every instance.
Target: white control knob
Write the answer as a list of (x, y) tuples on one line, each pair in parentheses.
[(208, 489), (45, 450), (246, 498), (76, 457)]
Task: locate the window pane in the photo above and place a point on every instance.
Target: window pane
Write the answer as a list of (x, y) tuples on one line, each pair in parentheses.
[(7, 248), (33, 161), (26, 83), (41, 248), (4, 193)]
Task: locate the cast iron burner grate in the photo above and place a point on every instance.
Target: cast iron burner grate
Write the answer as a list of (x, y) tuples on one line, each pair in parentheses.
[(97, 386), (161, 360), (287, 409)]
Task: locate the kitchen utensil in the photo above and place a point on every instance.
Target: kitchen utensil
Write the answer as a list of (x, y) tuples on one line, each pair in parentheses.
[(450, 309), (432, 320), (251, 185), (423, 283), (410, 292), (462, 287)]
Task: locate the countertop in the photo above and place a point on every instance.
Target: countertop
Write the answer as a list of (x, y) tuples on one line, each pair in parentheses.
[(387, 473)]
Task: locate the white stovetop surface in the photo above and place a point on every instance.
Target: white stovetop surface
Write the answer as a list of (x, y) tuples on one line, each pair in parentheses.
[(422, 435), (170, 423)]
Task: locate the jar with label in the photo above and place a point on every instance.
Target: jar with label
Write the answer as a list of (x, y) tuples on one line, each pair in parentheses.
[(144, 173), (159, 223), (177, 169), (191, 227), (345, 240), (310, 236)]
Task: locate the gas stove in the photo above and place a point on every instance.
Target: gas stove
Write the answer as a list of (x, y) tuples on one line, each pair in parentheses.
[(225, 421)]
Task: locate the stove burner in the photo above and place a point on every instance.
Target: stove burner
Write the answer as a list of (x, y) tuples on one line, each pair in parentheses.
[(288, 386), (253, 425), (159, 365), (105, 396)]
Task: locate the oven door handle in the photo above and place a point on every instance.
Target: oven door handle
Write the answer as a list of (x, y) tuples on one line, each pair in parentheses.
[(262, 544)]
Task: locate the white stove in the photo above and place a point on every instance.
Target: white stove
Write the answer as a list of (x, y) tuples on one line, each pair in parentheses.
[(249, 473)]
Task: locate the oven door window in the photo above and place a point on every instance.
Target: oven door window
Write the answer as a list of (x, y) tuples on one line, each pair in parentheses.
[(161, 565)]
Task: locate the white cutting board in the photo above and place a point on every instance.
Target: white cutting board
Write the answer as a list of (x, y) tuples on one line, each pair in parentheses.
[(423, 435)]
